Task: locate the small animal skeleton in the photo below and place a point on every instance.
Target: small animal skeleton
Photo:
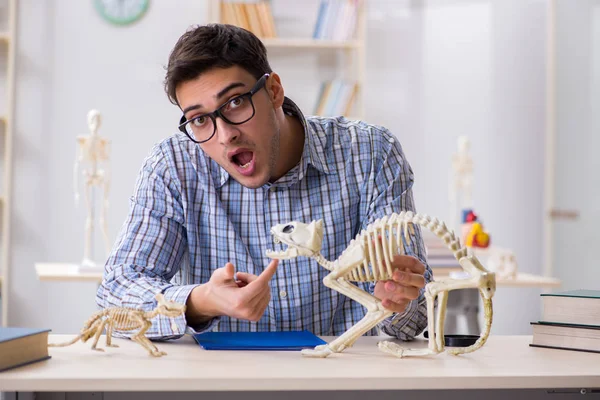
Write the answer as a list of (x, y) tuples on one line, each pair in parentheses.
[(125, 319), (368, 259)]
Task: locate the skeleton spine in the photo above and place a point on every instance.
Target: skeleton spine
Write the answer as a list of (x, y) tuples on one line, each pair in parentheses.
[(386, 237)]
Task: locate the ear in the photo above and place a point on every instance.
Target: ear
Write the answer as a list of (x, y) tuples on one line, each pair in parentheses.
[(275, 90), (319, 225)]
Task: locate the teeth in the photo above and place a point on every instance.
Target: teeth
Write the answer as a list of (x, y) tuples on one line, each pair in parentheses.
[(245, 165), (277, 240)]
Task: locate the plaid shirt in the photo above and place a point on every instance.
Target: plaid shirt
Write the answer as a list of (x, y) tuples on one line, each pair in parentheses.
[(188, 217)]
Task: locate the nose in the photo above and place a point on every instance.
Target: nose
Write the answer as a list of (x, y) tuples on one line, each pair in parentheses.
[(226, 133)]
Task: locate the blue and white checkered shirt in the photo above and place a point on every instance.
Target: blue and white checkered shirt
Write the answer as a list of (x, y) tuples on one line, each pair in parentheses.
[(188, 218)]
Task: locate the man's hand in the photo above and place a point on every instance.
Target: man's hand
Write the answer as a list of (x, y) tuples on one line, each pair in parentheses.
[(244, 296), (404, 286)]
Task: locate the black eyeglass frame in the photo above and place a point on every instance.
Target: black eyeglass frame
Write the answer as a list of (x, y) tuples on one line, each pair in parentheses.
[(217, 113)]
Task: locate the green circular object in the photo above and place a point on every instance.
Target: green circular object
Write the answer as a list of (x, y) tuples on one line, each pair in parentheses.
[(121, 12)]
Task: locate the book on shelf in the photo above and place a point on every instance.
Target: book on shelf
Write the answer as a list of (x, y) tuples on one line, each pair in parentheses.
[(336, 97), (566, 336), (336, 20), (578, 307), (256, 17), (22, 346)]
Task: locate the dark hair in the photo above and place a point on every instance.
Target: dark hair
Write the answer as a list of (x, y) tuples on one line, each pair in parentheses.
[(214, 46)]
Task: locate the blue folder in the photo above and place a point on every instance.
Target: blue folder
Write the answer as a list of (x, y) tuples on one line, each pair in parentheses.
[(287, 340)]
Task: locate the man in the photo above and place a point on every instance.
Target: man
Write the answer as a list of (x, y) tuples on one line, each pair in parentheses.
[(245, 160)]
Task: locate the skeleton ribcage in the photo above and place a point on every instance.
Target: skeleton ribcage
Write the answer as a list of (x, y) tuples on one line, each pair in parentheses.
[(380, 243), (122, 319), (385, 238)]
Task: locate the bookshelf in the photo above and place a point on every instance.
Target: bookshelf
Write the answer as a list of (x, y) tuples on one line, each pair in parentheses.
[(6, 135), (339, 27)]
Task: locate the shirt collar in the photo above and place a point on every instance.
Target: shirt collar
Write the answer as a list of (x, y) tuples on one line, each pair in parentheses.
[(312, 153)]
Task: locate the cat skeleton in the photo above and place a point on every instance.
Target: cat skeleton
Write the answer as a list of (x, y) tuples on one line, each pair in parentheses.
[(125, 319), (368, 259)]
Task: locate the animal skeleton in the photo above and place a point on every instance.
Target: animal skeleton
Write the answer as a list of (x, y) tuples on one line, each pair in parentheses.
[(368, 259), (126, 319)]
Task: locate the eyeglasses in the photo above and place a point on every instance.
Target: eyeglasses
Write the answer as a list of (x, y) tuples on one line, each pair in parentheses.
[(236, 111)]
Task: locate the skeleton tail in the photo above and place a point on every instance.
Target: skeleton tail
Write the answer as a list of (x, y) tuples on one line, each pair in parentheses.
[(487, 309), (65, 344), (88, 330)]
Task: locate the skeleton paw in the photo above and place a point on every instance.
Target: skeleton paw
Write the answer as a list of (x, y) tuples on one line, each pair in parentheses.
[(97, 349), (391, 348), (112, 345), (320, 351), (158, 353)]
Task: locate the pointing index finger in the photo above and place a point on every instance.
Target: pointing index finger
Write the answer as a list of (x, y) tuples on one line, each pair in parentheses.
[(268, 273)]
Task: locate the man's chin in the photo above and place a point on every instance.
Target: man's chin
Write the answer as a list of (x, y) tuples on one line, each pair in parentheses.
[(252, 182)]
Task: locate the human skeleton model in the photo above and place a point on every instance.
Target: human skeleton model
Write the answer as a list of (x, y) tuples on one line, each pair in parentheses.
[(501, 261), (368, 259), (125, 319), (92, 149), (461, 182)]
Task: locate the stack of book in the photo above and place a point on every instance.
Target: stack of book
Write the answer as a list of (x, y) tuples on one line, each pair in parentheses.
[(570, 321), (336, 20), (254, 17)]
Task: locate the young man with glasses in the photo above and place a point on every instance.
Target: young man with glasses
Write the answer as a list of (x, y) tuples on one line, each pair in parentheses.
[(247, 159)]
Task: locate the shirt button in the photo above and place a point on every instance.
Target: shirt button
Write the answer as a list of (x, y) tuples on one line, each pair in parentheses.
[(282, 293)]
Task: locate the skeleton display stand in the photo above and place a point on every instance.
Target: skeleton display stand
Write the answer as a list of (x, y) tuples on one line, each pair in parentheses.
[(125, 319), (93, 150), (368, 259)]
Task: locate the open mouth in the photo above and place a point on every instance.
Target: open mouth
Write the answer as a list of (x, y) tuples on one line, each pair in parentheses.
[(289, 252), (243, 161)]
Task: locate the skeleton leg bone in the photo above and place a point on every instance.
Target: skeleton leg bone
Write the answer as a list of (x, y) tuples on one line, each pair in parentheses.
[(144, 341), (399, 351), (375, 314), (109, 332), (89, 225), (103, 226), (99, 331)]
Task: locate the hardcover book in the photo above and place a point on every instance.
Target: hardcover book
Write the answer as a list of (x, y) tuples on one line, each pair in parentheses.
[(578, 307), (566, 337), (21, 346)]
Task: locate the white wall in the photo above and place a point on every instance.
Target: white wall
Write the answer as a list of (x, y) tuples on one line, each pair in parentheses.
[(436, 70), (577, 183), (471, 68)]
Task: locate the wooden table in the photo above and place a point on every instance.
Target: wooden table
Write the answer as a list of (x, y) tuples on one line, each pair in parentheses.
[(504, 362)]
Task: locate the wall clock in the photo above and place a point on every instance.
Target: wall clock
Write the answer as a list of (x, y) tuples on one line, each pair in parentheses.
[(121, 12)]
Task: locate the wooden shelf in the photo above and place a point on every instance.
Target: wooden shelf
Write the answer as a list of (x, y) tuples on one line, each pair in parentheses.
[(65, 272), (302, 43)]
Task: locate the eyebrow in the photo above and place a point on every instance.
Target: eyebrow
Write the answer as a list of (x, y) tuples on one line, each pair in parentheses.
[(218, 95)]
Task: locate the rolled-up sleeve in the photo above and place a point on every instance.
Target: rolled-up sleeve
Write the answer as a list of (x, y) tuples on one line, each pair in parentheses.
[(149, 250)]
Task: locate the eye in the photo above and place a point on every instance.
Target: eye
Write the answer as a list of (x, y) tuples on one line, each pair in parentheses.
[(235, 103), (288, 229), (199, 121)]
